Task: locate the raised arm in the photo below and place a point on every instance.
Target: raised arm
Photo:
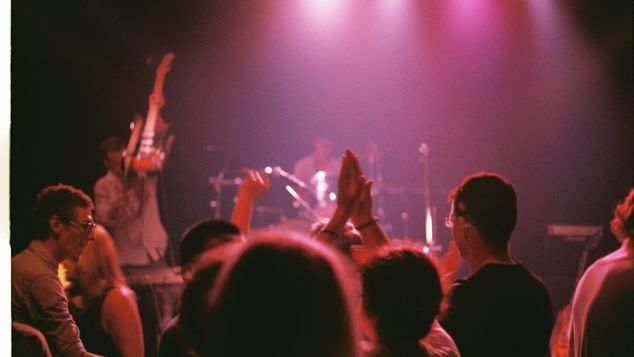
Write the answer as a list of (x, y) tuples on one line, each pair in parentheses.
[(254, 186), (372, 234), (350, 186)]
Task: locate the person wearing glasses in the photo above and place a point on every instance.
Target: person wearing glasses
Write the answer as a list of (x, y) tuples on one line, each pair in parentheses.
[(501, 308), (62, 226)]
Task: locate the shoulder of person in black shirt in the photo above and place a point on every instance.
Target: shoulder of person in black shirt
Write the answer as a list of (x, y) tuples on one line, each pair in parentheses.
[(500, 310)]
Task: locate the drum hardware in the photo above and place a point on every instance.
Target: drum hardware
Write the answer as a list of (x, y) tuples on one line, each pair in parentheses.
[(314, 215), (430, 212), (277, 171), (320, 192), (217, 186)]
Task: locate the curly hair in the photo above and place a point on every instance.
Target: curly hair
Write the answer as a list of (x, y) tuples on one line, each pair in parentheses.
[(622, 225)]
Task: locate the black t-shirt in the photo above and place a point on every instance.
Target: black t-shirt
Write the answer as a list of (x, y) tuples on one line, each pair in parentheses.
[(502, 310)]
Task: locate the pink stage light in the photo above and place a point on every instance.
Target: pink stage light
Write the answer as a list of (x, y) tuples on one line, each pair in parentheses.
[(324, 12)]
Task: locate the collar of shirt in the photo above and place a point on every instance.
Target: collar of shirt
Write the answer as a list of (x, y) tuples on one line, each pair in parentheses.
[(38, 248)]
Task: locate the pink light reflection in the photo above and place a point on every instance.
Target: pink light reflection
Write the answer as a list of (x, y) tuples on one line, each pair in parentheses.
[(324, 12)]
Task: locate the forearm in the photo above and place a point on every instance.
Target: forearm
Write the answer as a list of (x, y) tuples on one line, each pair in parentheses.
[(334, 228), (242, 213), (371, 232)]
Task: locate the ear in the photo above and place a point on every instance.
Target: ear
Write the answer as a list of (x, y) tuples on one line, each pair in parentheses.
[(467, 229), (55, 223), (105, 163)]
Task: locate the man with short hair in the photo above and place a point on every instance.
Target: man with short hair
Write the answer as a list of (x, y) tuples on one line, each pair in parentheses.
[(63, 226), (201, 238), (401, 296), (501, 309)]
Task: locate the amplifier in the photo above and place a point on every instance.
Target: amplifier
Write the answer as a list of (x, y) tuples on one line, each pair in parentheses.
[(573, 232)]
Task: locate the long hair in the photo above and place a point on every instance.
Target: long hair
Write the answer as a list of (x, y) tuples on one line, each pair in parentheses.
[(280, 297), (98, 265)]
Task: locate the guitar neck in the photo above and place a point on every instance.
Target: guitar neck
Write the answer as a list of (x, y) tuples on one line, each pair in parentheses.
[(147, 137)]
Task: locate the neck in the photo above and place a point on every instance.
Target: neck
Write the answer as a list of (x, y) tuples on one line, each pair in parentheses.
[(321, 160), (628, 245), (483, 256), (51, 246)]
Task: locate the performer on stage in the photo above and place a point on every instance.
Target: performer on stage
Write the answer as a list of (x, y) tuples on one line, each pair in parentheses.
[(128, 207), (319, 171), (126, 197)]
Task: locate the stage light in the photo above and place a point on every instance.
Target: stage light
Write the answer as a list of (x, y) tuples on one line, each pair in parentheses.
[(324, 8)]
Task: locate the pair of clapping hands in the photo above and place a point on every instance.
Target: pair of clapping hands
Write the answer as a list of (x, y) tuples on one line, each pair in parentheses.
[(354, 199)]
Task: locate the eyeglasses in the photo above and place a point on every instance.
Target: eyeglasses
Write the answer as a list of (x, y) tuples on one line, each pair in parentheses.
[(88, 226), (450, 220)]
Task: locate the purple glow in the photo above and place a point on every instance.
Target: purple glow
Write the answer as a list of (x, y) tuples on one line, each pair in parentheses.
[(324, 13)]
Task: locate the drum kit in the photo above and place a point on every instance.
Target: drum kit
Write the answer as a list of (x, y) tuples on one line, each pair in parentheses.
[(316, 200)]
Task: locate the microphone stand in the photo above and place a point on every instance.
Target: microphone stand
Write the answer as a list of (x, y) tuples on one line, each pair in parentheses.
[(430, 212)]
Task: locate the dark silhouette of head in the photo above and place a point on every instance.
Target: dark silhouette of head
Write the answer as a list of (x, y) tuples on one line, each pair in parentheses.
[(282, 296), (487, 201), (401, 294)]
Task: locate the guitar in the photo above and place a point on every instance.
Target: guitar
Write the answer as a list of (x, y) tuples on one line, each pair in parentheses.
[(560, 338), (148, 158)]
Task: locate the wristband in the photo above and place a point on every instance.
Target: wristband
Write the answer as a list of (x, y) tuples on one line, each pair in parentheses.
[(367, 224)]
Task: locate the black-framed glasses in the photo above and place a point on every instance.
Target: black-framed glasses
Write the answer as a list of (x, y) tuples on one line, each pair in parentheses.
[(88, 226)]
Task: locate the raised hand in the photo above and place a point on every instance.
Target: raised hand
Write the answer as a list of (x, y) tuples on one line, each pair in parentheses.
[(362, 212), (350, 185), (255, 185)]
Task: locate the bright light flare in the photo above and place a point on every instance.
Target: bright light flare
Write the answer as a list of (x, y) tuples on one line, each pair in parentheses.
[(429, 228), (324, 9)]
